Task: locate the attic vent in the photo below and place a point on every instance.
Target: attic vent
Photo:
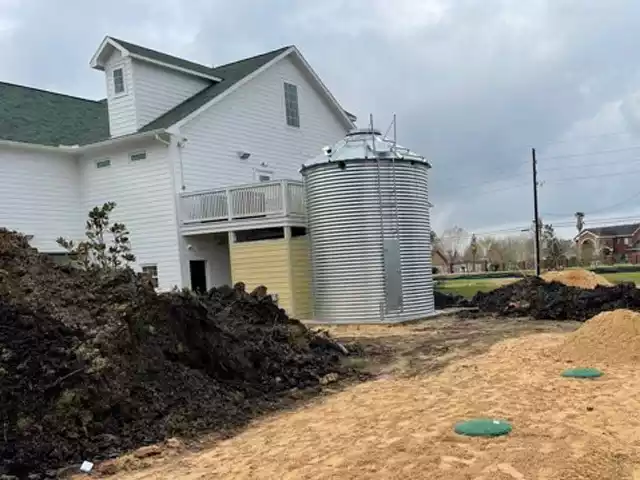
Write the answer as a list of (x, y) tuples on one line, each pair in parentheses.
[(136, 157)]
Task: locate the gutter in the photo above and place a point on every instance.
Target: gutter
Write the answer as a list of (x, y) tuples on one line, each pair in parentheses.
[(77, 149)]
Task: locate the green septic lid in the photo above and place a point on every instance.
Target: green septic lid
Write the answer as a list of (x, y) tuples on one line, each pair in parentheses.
[(483, 427), (582, 373)]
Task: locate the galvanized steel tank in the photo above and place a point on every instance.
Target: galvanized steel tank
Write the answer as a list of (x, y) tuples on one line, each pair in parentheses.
[(368, 222)]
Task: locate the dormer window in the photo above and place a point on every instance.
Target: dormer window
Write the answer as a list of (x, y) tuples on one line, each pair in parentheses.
[(118, 81)]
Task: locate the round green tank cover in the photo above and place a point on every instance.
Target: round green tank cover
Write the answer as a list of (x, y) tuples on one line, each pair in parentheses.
[(483, 427), (582, 373)]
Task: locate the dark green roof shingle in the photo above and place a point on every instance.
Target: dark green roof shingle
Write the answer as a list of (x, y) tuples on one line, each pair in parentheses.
[(165, 58), (36, 116)]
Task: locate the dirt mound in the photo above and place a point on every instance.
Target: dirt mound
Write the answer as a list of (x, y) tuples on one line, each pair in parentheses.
[(449, 300), (577, 278), (609, 337), (533, 297), (95, 363)]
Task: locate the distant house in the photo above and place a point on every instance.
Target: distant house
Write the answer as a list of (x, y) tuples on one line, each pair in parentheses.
[(612, 244)]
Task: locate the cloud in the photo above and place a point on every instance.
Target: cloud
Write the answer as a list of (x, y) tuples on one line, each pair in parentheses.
[(475, 84)]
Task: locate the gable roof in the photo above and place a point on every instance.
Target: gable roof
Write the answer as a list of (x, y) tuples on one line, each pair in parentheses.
[(34, 116), (31, 115), (625, 230), (230, 74)]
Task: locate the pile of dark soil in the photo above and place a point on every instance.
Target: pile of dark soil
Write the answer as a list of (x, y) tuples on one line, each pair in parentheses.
[(533, 297), (449, 300), (96, 363)]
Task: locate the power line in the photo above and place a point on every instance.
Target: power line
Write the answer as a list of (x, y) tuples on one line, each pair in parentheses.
[(600, 210), (588, 165), (595, 152), (591, 177)]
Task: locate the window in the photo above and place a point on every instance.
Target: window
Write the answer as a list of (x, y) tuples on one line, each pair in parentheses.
[(118, 81), (291, 105), (137, 156), (152, 272), (263, 177), (626, 241), (104, 163)]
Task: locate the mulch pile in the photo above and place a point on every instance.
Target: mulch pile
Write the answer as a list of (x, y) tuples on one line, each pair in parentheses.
[(534, 297), (96, 363)]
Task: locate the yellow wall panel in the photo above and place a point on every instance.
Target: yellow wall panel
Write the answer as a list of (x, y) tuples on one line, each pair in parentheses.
[(264, 262), (301, 277)]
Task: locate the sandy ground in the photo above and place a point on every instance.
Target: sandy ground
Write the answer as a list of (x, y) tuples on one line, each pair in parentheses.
[(431, 376)]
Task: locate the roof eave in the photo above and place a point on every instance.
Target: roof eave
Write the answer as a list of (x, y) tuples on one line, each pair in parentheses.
[(175, 67), (95, 61), (341, 111), (79, 149), (124, 139)]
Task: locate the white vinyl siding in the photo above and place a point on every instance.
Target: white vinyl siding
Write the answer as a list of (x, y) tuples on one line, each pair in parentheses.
[(40, 196), (292, 110), (251, 119), (122, 106), (158, 90), (143, 192), (216, 253)]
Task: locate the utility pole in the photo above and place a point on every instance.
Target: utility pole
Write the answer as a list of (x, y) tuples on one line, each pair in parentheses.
[(535, 210)]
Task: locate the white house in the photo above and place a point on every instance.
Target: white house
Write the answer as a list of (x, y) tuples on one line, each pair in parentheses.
[(194, 156)]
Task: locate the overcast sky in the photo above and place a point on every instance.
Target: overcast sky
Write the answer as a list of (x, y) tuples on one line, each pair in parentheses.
[(475, 84)]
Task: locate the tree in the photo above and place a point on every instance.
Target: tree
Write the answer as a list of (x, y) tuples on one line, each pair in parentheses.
[(433, 236), (473, 246), (579, 221), (453, 241), (107, 246), (552, 246)]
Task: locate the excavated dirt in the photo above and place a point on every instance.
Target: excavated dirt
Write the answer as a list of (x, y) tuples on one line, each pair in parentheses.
[(444, 300), (96, 363), (402, 427), (534, 297), (577, 278), (609, 338)]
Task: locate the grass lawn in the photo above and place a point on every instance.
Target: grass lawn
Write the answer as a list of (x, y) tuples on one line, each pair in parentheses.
[(623, 277), (469, 287)]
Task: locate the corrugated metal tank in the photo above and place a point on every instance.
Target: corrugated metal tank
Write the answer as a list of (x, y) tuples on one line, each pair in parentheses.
[(368, 222)]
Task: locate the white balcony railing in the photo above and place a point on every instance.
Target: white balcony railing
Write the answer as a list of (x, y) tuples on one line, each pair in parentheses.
[(280, 198)]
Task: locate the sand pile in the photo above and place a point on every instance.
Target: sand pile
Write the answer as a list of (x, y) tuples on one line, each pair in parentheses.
[(609, 337), (577, 278)]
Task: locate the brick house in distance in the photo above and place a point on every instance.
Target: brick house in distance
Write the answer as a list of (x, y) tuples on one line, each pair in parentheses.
[(612, 244)]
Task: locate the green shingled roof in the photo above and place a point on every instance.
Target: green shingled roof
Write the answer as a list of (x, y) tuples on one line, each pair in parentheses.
[(165, 58), (230, 74), (36, 116)]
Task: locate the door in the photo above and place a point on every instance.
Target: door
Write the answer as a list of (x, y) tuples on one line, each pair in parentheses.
[(198, 269)]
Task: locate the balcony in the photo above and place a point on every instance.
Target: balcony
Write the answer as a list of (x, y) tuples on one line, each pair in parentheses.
[(261, 205)]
